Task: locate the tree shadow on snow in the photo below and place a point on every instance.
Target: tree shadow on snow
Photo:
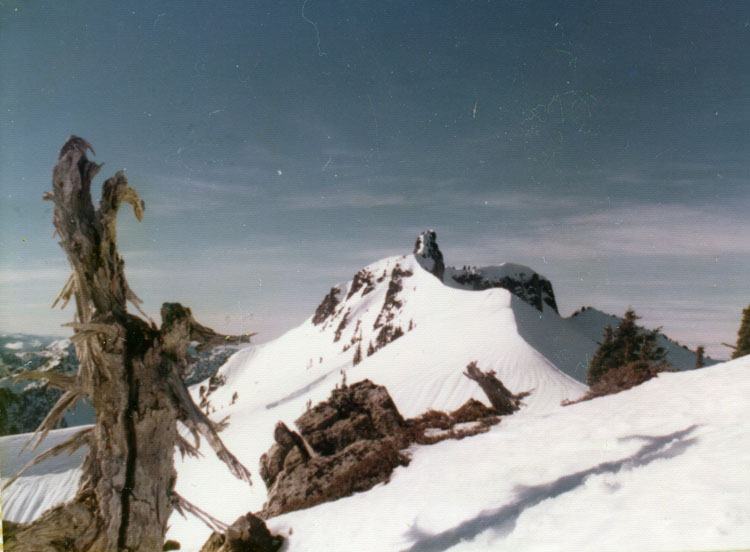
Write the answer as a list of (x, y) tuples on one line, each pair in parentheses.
[(503, 520)]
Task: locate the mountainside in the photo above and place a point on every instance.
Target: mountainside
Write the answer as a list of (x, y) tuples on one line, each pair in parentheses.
[(590, 322), (26, 403), (565, 479), (400, 325)]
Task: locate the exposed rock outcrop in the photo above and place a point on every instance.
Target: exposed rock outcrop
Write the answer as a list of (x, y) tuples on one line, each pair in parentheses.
[(524, 283), (327, 307), (358, 467), (354, 435), (357, 437), (361, 411), (288, 451), (362, 280), (519, 280), (428, 253)]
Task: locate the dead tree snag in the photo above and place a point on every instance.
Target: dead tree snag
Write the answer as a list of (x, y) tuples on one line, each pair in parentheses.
[(501, 399), (131, 370)]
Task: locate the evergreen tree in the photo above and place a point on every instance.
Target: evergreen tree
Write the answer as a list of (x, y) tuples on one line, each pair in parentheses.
[(8, 400), (743, 335), (597, 364), (699, 352), (623, 346)]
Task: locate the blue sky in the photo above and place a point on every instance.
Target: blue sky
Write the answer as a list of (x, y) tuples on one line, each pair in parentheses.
[(281, 145)]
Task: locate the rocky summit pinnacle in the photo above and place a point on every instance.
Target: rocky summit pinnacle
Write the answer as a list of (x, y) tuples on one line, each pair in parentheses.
[(428, 253)]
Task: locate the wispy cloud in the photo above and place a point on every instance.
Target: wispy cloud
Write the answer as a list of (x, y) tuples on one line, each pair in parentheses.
[(9, 276), (350, 200), (631, 230)]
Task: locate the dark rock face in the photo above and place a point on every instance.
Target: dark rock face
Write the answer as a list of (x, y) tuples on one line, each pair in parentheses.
[(534, 289), (428, 253), (362, 279), (327, 307), (342, 325), (248, 534), (391, 307)]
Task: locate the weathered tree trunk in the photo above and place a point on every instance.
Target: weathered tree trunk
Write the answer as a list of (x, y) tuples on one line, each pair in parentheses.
[(132, 373), (501, 399)]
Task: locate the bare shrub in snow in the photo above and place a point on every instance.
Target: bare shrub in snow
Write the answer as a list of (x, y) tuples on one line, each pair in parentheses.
[(620, 379)]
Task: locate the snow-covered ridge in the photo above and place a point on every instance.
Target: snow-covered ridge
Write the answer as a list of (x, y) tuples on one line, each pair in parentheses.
[(400, 326)]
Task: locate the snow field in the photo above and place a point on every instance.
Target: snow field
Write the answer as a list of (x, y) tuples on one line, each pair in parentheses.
[(659, 467), (673, 478)]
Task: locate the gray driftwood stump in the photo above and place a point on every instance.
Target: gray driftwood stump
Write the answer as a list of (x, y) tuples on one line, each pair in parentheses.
[(131, 371)]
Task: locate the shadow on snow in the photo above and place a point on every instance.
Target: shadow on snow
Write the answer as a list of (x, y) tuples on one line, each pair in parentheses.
[(503, 520)]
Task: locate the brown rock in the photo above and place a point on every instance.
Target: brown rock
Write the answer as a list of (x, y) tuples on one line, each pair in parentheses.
[(271, 463), (359, 467), (248, 534), (359, 411), (471, 411)]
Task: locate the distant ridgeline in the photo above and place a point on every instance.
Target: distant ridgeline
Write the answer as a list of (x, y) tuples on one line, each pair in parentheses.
[(24, 404)]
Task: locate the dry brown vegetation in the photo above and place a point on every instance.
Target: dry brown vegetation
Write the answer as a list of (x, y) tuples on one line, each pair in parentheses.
[(620, 379)]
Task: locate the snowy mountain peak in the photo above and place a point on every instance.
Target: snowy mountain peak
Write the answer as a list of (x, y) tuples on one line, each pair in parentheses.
[(520, 280), (428, 253)]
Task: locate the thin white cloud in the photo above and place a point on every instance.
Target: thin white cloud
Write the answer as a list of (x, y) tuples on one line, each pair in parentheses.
[(24, 275), (354, 199), (632, 230)]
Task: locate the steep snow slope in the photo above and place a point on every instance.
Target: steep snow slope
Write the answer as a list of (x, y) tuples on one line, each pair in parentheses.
[(659, 467), (45, 485)]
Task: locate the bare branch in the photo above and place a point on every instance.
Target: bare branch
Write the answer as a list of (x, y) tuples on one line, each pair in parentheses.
[(186, 448), (198, 422), (66, 292), (76, 144), (65, 382), (67, 401), (178, 324), (137, 302), (194, 433), (207, 338), (500, 397), (182, 505), (222, 424), (108, 329), (115, 191), (78, 440)]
